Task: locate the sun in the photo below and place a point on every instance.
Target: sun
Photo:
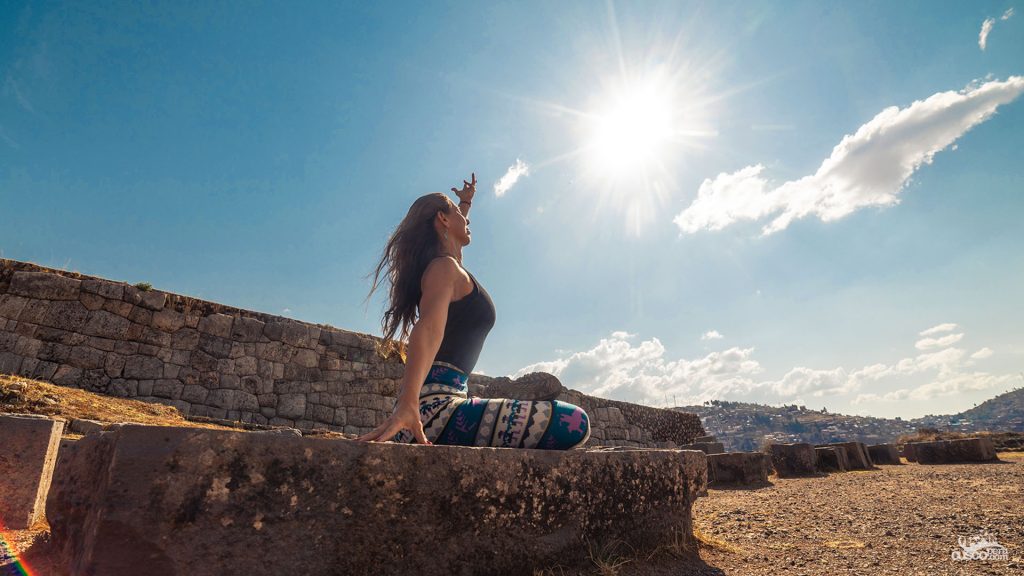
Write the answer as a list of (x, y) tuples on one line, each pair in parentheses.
[(632, 130)]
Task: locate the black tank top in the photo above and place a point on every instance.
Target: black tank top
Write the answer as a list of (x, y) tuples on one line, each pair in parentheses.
[(470, 318)]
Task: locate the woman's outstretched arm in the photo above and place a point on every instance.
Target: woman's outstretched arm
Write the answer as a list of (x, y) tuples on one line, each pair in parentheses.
[(438, 286), (466, 195)]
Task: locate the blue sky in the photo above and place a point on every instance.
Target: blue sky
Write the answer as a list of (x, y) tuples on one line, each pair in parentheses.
[(834, 189)]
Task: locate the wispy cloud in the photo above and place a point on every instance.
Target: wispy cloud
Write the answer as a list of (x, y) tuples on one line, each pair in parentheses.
[(712, 335), (986, 27), (938, 329), (933, 343), (867, 168), (511, 176)]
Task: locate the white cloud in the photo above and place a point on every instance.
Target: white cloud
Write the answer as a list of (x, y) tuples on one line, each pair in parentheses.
[(618, 368), (934, 343), (986, 27), (982, 354), (938, 329), (712, 335), (867, 168), (511, 176)]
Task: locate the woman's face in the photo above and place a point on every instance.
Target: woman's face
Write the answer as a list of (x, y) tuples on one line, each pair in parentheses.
[(458, 225)]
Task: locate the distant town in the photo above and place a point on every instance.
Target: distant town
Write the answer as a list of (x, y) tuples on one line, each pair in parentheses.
[(743, 426)]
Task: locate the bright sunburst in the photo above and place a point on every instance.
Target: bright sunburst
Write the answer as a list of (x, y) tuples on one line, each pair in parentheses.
[(632, 130)]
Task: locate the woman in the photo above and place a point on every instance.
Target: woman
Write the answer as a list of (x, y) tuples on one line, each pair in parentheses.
[(424, 261)]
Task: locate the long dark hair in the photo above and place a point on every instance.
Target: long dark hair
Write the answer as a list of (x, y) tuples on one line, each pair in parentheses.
[(411, 247)]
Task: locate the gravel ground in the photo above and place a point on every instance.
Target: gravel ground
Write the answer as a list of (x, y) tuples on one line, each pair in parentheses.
[(894, 520)]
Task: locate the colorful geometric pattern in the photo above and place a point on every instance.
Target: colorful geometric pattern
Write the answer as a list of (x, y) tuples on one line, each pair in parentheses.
[(450, 416)]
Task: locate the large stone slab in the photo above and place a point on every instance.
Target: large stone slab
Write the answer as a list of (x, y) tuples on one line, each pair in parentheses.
[(28, 453), (796, 459), (705, 447), (884, 454), (211, 502), (832, 459), (952, 451), (738, 468), (856, 454)]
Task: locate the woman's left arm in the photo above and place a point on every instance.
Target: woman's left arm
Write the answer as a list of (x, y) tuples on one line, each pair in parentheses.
[(466, 195)]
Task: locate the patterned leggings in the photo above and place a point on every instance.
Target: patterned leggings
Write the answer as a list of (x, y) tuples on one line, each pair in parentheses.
[(449, 416)]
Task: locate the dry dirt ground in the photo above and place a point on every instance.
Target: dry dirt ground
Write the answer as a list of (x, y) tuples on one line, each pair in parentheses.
[(894, 520)]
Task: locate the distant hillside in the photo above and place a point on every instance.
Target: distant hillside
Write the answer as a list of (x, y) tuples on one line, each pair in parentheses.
[(1004, 413), (744, 426)]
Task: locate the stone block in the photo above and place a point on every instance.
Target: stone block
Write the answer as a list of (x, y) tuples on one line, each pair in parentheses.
[(832, 459), (856, 454), (28, 454), (106, 325), (953, 451), (884, 454), (216, 324), (44, 286), (796, 459), (11, 306), (168, 320), (742, 468), (705, 439), (705, 447), (246, 329), (84, 426), (143, 367), (175, 499), (105, 288)]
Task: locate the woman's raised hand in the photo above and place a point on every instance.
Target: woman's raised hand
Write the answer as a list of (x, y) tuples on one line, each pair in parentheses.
[(405, 417), (468, 189)]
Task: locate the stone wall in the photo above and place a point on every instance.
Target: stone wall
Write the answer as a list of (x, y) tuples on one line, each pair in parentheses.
[(216, 361)]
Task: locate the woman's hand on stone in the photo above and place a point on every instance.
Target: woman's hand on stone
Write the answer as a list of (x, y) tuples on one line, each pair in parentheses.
[(468, 189), (405, 417)]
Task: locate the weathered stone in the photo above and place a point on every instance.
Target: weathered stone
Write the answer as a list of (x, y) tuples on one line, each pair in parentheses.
[(143, 367), (246, 329), (44, 286), (173, 499), (705, 447), (168, 388), (86, 358), (832, 459), (705, 439), (884, 454), (11, 305), (744, 468), (951, 451), (908, 452), (84, 426), (28, 453), (10, 363), (68, 315), (214, 345), (104, 288), (856, 454), (106, 324), (792, 459), (92, 301), (291, 333), (217, 325), (291, 405), (168, 320)]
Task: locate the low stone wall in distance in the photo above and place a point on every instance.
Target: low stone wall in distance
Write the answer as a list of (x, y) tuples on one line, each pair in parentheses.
[(216, 361)]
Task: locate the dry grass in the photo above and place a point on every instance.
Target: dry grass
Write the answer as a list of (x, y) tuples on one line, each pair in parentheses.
[(607, 558), (26, 396), (707, 540)]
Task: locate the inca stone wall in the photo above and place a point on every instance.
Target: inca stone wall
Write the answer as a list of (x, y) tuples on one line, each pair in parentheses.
[(216, 361)]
